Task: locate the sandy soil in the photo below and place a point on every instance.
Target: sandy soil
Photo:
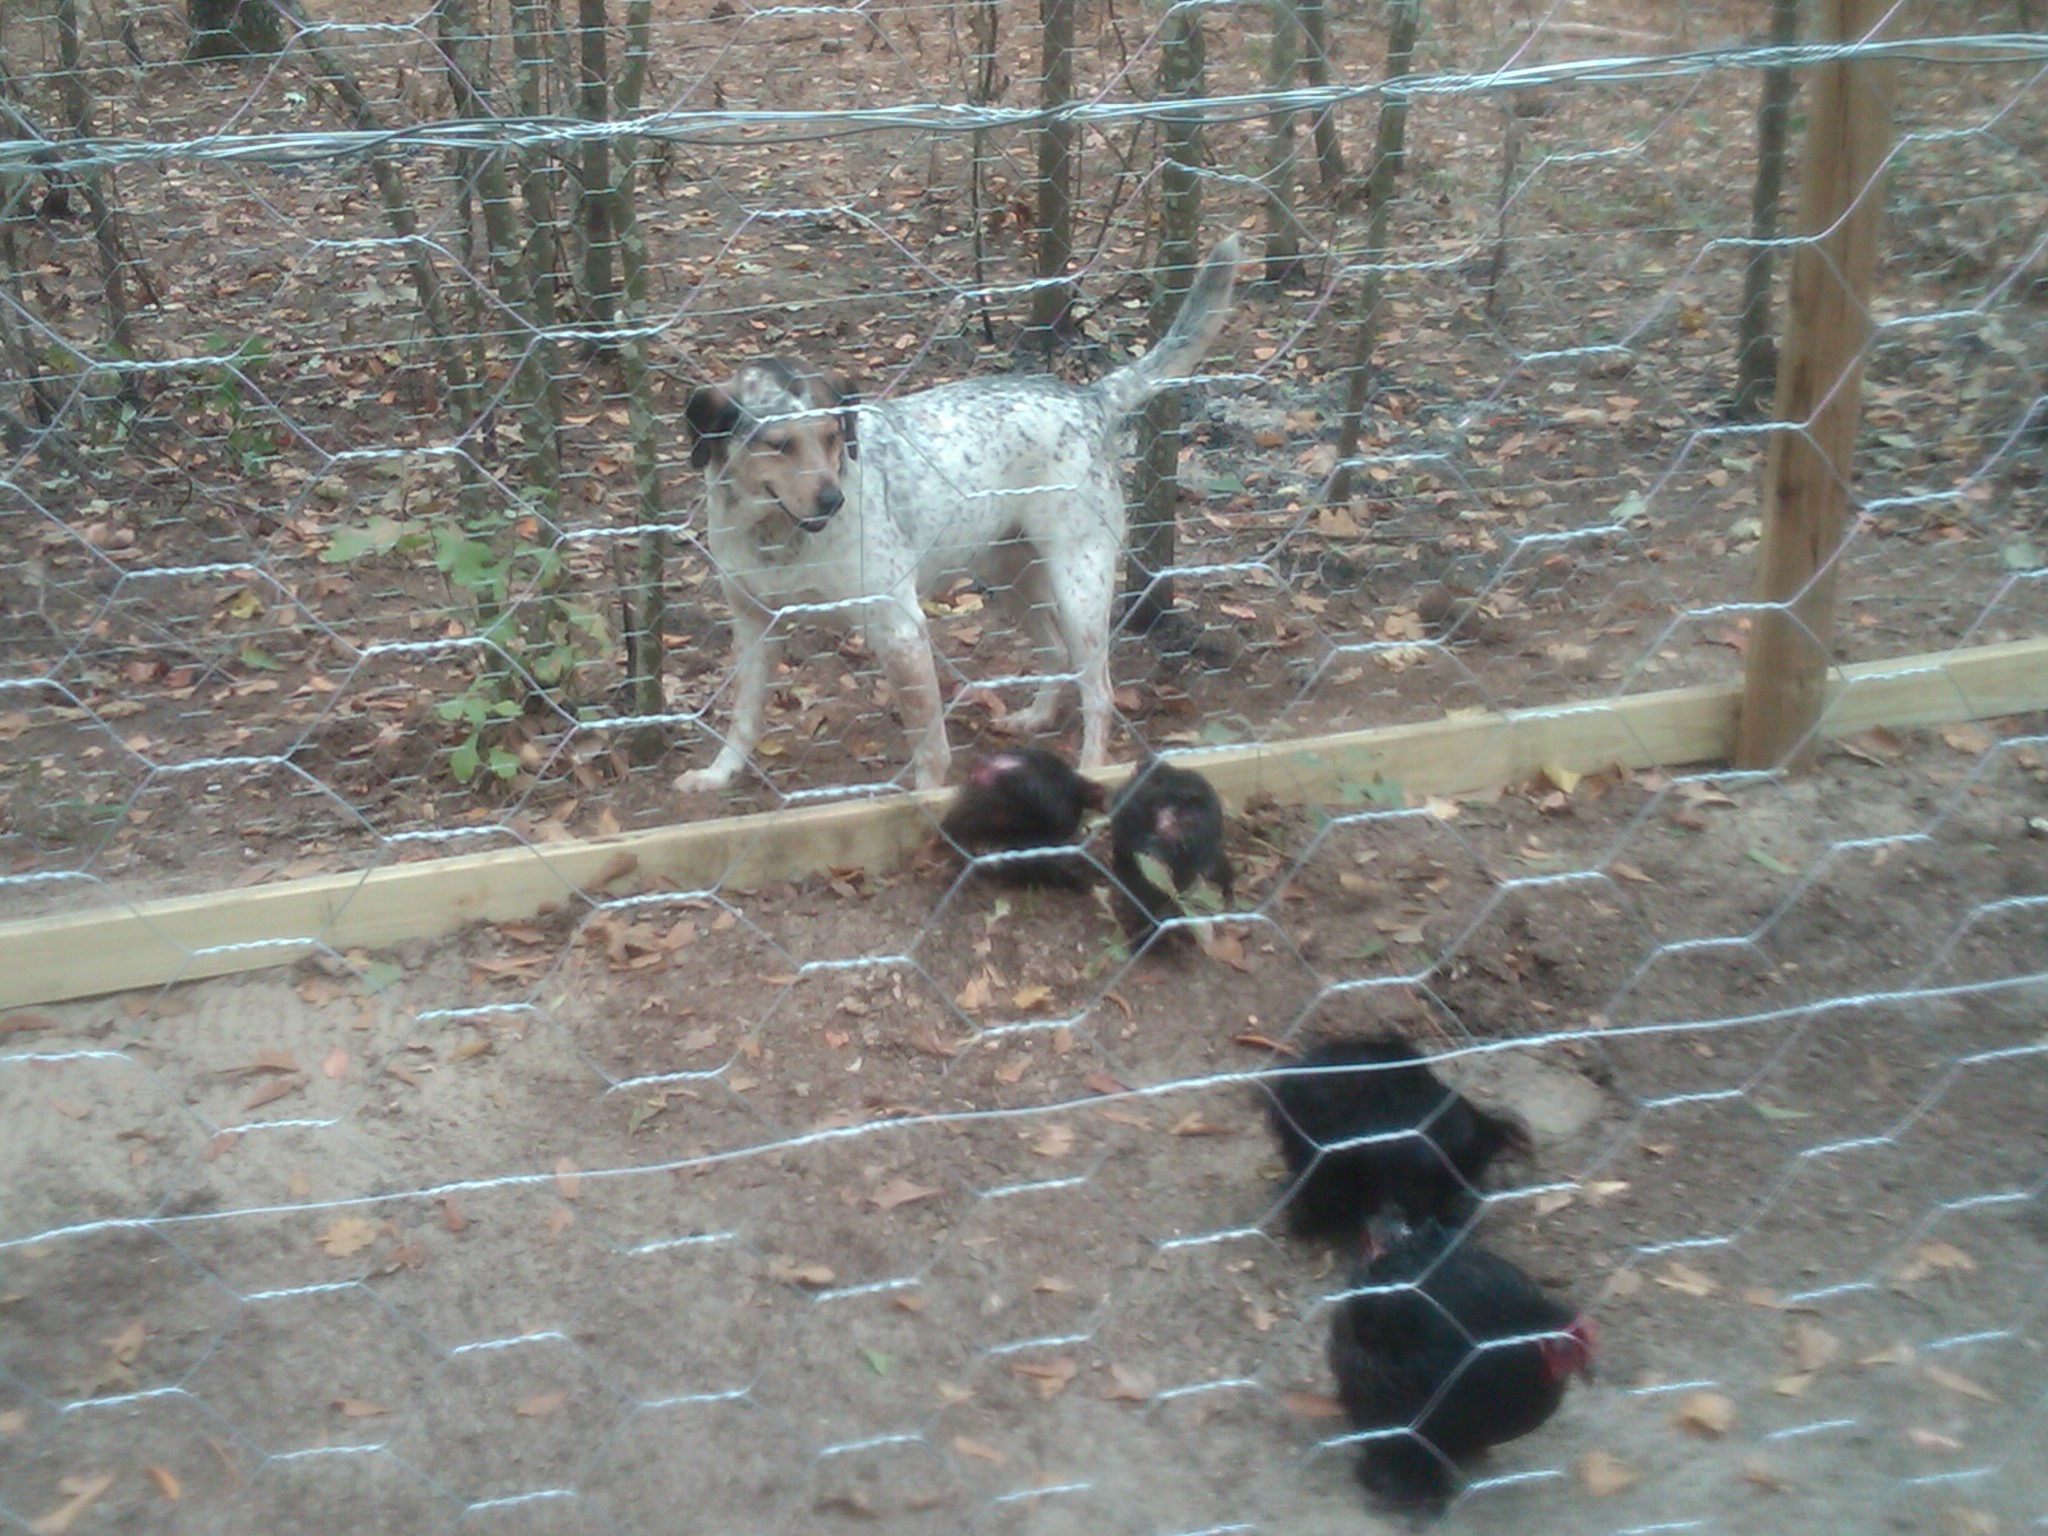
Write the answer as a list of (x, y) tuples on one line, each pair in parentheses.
[(701, 1205)]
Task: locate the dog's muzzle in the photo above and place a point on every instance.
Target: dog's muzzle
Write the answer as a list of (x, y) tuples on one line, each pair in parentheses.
[(829, 501)]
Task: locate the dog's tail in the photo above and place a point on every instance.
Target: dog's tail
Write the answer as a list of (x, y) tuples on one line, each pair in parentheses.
[(1193, 332)]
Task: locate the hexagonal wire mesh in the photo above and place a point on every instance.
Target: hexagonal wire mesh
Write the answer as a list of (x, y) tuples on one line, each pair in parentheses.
[(349, 519)]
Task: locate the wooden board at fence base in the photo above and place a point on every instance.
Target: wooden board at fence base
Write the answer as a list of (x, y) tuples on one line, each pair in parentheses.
[(152, 943)]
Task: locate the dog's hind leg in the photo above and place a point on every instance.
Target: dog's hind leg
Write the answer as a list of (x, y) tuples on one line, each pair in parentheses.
[(755, 647), (1026, 596), (1082, 600)]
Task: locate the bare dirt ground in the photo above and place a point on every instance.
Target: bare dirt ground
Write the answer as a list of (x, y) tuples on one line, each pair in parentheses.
[(906, 1204)]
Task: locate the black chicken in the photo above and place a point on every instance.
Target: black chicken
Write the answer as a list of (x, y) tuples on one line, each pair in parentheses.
[(1329, 1111), (1455, 1350), (1020, 799), (1170, 819)]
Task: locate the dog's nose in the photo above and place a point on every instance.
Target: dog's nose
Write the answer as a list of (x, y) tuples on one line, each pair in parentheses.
[(830, 500)]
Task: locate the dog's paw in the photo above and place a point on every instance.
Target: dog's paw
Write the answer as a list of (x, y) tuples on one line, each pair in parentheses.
[(701, 781)]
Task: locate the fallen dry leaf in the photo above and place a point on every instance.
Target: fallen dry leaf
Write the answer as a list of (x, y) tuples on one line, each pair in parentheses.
[(1962, 1386), (1710, 1414), (1687, 1280), (977, 994), (1024, 999), (1226, 948), (80, 1493), (1621, 1284), (126, 1345), (1813, 1348), (899, 1191), (978, 1451), (275, 1089), (1126, 1386), (335, 1065), (1192, 1124), (1312, 1405), (1971, 740), (792, 1273), (1761, 1474), (566, 1181), (1895, 1354), (1118, 1116), (1961, 1520), (264, 1061), (1793, 1386), (1934, 1258), (1602, 1475), (1053, 1141), (356, 1408), (1050, 1376), (1052, 1285), (1933, 1440), (350, 1234), (541, 1405), (166, 1482)]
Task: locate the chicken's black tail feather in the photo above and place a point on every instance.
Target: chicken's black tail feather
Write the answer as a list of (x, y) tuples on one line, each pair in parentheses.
[(1407, 1472)]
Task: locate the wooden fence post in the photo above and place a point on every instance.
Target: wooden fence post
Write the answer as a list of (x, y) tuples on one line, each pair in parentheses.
[(1820, 386)]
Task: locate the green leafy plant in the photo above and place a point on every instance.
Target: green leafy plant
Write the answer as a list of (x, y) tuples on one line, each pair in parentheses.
[(487, 560), (249, 439)]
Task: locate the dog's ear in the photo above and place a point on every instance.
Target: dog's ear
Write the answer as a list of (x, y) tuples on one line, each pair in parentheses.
[(849, 415), (711, 416)]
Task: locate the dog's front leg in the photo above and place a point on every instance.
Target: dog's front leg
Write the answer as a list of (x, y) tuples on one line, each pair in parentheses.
[(905, 647), (755, 650)]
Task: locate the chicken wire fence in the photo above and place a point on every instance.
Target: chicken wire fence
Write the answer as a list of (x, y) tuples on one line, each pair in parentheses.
[(347, 491)]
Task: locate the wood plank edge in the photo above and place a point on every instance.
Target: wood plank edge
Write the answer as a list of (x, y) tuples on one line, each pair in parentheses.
[(188, 938)]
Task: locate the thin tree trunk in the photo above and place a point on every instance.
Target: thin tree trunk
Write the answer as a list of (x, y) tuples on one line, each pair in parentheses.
[(1405, 20), (106, 232), (533, 388), (1315, 31), (1283, 225), (1510, 159), (537, 178), (1052, 302), (983, 21), (1756, 358), (648, 604), (600, 282), (462, 396), (1153, 551)]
